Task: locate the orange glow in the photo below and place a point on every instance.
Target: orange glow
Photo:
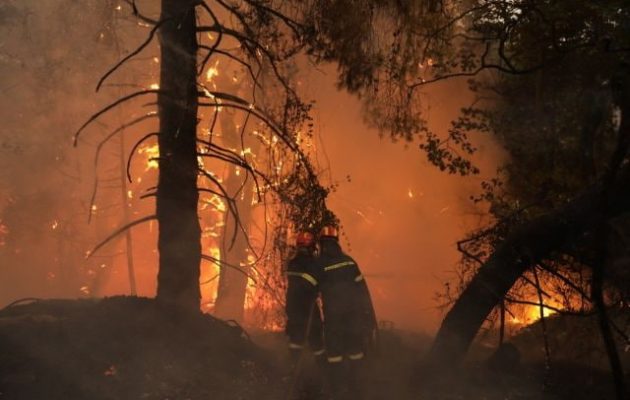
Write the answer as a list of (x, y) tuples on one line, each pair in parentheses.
[(216, 202), (151, 153), (208, 278), (527, 314), (4, 232), (533, 313), (212, 71)]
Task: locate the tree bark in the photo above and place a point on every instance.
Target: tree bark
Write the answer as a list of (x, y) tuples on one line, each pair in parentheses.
[(179, 238), (526, 246)]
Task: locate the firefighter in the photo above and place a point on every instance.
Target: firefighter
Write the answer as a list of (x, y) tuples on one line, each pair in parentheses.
[(304, 321), (349, 319)]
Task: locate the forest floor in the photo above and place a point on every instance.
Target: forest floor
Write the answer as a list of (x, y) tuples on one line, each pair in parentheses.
[(131, 348)]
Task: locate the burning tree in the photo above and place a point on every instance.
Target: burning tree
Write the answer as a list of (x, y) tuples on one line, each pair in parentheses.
[(192, 145), (45, 227), (386, 53)]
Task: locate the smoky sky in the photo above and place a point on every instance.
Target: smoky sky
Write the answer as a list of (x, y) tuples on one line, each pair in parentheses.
[(401, 217)]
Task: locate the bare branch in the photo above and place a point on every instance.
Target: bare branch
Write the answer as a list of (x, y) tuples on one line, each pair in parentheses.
[(133, 150), (109, 107), (118, 232), (133, 53), (139, 15)]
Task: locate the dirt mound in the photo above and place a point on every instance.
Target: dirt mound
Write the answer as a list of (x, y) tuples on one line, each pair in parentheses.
[(125, 348)]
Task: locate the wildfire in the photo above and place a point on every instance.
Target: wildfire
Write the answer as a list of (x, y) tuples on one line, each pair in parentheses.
[(4, 232), (250, 290), (217, 203), (530, 314), (152, 153), (208, 278), (533, 313), (212, 71)]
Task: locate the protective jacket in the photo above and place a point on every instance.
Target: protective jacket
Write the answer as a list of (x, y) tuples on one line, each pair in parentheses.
[(349, 319), (304, 321)]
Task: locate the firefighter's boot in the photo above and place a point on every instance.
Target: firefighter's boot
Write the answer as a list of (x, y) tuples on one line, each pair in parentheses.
[(355, 378), (338, 380)]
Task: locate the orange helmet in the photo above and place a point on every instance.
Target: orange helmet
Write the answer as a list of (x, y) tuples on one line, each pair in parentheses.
[(329, 231), (304, 239)]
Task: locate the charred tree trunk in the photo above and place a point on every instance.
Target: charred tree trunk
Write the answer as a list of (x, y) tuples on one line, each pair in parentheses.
[(526, 246), (179, 238)]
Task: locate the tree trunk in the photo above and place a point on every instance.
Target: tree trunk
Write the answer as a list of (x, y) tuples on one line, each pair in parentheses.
[(597, 293), (526, 246), (232, 288), (179, 238)]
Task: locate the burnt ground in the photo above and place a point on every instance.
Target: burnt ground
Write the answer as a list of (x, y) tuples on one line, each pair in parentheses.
[(131, 348), (124, 348)]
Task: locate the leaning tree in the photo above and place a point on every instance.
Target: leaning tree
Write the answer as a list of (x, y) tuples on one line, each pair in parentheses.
[(552, 80)]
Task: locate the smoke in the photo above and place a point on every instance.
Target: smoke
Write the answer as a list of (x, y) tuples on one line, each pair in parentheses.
[(401, 216), (51, 56)]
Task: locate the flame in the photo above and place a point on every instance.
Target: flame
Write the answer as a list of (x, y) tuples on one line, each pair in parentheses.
[(533, 313), (4, 232), (154, 86), (54, 225), (246, 151), (207, 93), (208, 279), (410, 194), (152, 153), (212, 71), (216, 202)]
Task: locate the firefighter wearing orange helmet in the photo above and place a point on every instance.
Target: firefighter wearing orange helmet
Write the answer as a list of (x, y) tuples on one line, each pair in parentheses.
[(349, 318), (304, 322)]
